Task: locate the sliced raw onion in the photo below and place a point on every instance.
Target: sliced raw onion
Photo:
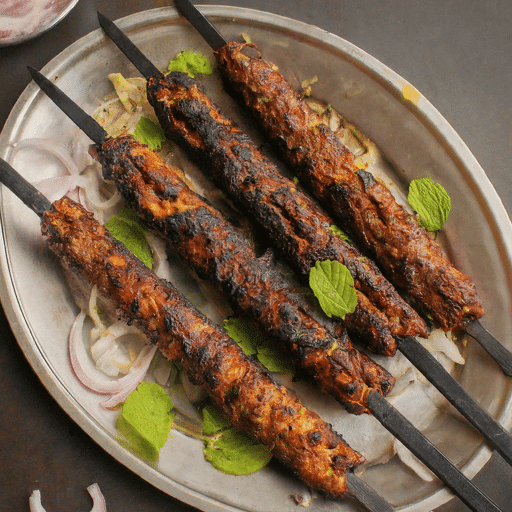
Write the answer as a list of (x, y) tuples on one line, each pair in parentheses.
[(58, 186), (134, 378), (160, 262), (98, 501), (50, 147), (34, 502), (80, 363), (412, 462), (92, 310), (106, 352)]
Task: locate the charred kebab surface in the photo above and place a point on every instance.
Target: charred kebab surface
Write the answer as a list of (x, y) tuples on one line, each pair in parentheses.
[(296, 225), (242, 388), (362, 205), (221, 253)]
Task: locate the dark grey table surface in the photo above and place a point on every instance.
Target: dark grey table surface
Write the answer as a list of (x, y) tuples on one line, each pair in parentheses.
[(458, 53)]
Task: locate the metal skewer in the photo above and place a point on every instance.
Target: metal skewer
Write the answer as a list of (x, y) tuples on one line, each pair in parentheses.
[(388, 416), (364, 496)]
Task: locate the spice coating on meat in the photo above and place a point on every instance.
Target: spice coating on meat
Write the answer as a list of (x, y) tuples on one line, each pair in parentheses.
[(363, 206), (218, 251), (243, 389), (296, 225)]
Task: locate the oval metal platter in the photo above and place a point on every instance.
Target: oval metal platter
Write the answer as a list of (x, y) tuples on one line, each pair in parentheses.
[(416, 141)]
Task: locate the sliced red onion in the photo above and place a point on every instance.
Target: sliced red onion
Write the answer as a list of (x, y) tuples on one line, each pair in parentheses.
[(51, 147), (80, 361), (106, 353), (34, 502), (89, 377), (92, 310), (130, 382), (98, 501), (160, 262), (58, 186)]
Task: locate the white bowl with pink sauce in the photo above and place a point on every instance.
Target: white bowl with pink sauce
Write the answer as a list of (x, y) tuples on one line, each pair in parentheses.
[(21, 20)]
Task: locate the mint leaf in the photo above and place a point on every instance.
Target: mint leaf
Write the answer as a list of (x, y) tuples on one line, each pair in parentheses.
[(126, 228), (337, 231), (191, 63), (146, 419), (333, 286), (230, 450), (150, 133), (244, 333), (213, 421), (253, 343), (272, 359), (431, 201)]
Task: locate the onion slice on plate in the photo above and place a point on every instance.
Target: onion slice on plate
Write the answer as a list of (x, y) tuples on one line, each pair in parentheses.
[(89, 376)]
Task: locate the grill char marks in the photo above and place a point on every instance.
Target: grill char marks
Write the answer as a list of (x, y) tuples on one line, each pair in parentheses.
[(364, 207), (296, 225), (267, 411), (218, 251)]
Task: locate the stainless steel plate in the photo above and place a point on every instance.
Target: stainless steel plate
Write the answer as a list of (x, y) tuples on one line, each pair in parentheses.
[(415, 139)]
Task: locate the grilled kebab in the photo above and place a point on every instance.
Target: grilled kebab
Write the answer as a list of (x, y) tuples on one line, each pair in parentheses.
[(242, 388), (363, 206), (293, 221), (218, 251)]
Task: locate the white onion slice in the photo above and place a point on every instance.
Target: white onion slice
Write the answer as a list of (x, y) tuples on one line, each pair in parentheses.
[(412, 462), (50, 147), (89, 377), (110, 356), (58, 186), (34, 502), (133, 379), (439, 341), (98, 500), (92, 310), (80, 361)]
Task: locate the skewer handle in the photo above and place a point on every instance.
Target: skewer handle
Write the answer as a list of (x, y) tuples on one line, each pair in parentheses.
[(200, 23), (493, 347), (23, 189), (425, 451), (427, 364), (137, 58), (364, 497)]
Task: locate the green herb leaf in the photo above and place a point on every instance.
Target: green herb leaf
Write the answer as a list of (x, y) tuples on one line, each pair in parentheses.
[(213, 421), (150, 133), (244, 333), (146, 419), (230, 450), (191, 63), (272, 359), (431, 201), (253, 343), (333, 286), (337, 231), (126, 228)]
